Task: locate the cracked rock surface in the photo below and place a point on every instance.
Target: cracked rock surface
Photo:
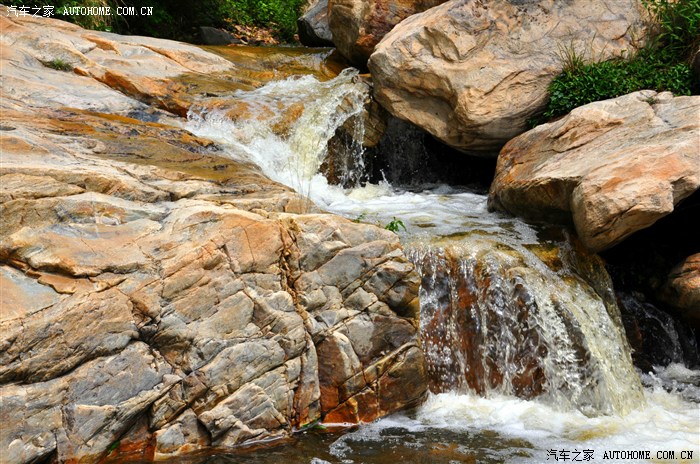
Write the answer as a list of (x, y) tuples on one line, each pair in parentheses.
[(611, 167), (161, 296)]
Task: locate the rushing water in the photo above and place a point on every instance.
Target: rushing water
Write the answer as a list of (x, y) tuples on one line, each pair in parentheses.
[(523, 338)]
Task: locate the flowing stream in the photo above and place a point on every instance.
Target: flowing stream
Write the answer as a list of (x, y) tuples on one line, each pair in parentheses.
[(526, 351)]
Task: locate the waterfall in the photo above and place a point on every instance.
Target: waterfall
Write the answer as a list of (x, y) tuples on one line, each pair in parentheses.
[(496, 316), (497, 319), (284, 127)]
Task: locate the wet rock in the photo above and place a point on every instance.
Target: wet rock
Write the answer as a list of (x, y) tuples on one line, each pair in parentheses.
[(523, 321), (346, 161), (359, 25), (314, 27), (682, 289), (610, 168), (160, 297), (472, 73), (656, 337)]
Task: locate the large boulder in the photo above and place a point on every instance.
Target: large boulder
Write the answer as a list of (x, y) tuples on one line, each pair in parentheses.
[(158, 296), (213, 36), (314, 27), (358, 25), (472, 73), (610, 168)]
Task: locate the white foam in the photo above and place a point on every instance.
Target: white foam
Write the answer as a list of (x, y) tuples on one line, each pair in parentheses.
[(667, 423)]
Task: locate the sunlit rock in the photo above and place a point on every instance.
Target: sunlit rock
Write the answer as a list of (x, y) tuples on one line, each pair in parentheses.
[(472, 72), (358, 25), (611, 167), (158, 294)]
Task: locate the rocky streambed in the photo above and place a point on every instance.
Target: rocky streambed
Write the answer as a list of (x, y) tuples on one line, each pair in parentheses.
[(162, 295)]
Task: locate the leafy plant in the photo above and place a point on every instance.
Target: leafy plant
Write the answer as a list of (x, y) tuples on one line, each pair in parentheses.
[(279, 15), (313, 425), (613, 78), (113, 446), (661, 65), (180, 18), (395, 225), (677, 26), (58, 64)]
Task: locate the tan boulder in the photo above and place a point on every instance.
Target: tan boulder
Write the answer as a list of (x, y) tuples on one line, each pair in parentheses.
[(140, 67), (357, 26), (611, 167), (472, 73)]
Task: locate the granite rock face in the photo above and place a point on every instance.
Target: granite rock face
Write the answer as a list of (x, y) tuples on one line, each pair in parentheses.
[(158, 294), (611, 167), (472, 73), (357, 26), (137, 67)]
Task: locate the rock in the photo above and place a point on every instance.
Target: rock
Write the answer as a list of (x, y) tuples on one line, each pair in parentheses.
[(357, 26), (160, 297), (186, 434), (610, 168), (213, 36), (472, 73), (682, 289), (140, 67), (314, 29), (655, 336), (346, 160)]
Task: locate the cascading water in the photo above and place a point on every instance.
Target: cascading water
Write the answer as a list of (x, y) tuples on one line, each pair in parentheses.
[(496, 319), (522, 333), (284, 127)]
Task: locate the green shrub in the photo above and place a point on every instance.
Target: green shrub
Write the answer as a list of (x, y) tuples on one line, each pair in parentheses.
[(609, 79), (677, 22), (179, 19), (662, 65), (279, 15)]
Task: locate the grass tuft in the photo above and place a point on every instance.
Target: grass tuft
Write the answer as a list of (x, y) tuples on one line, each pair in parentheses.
[(58, 64)]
